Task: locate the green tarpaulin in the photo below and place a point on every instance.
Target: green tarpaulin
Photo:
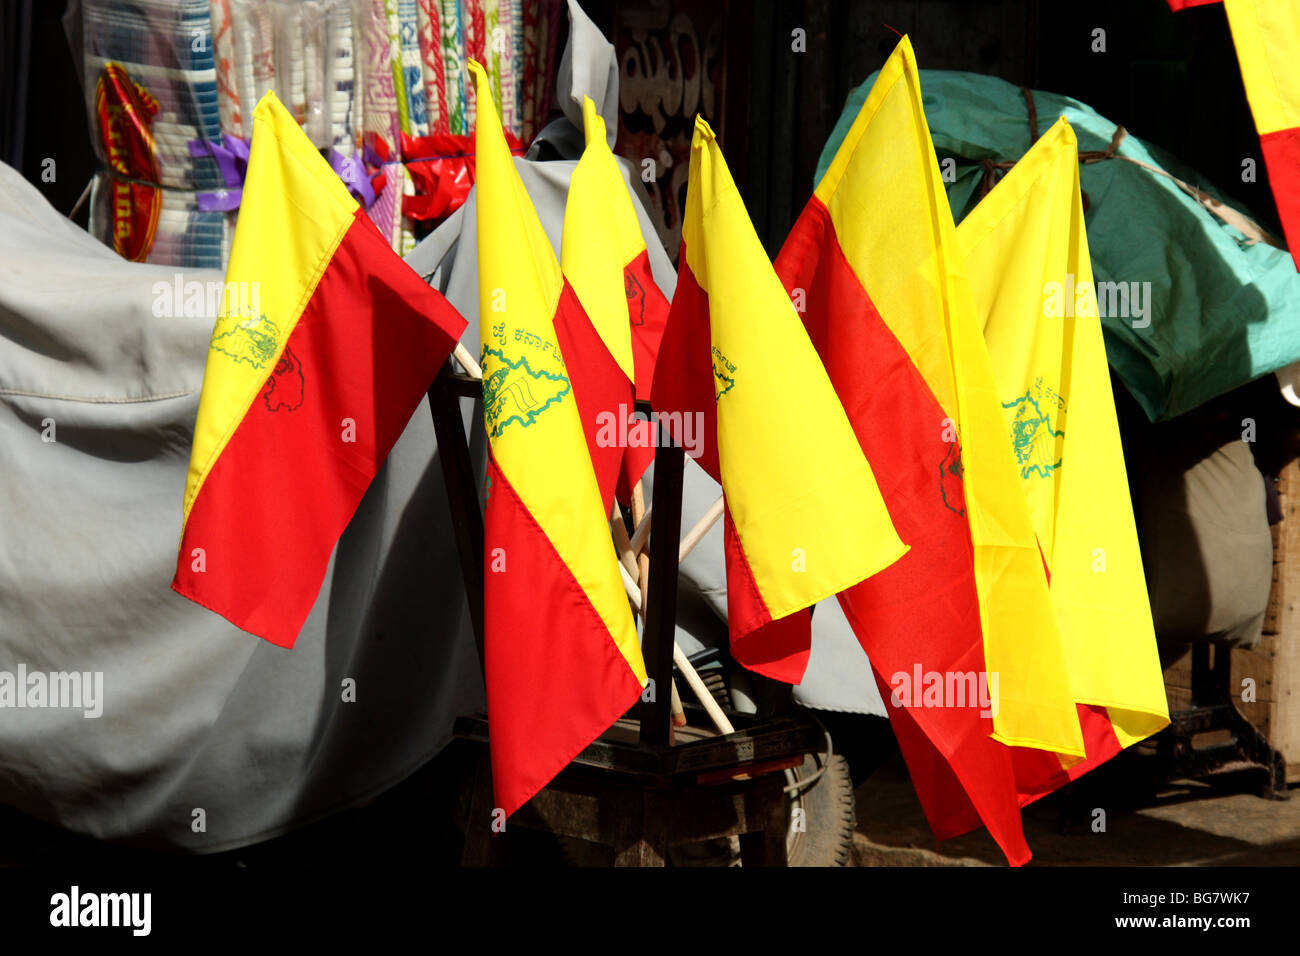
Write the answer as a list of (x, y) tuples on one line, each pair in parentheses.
[(1211, 309)]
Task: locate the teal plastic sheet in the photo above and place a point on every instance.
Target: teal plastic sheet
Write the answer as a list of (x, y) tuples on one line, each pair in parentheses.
[(1201, 310)]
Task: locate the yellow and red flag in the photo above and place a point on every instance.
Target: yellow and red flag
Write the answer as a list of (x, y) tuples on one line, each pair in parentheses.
[(1026, 253), (960, 632), (325, 343), (1267, 36), (603, 256), (562, 657), (804, 517)]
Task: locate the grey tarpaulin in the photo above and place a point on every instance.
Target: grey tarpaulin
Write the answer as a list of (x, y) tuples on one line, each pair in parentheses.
[(839, 674), (196, 713)]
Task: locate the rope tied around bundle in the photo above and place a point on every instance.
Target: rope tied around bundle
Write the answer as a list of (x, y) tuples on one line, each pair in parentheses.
[(994, 170)]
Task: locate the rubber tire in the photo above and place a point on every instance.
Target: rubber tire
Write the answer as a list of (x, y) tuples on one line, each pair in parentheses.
[(830, 816)]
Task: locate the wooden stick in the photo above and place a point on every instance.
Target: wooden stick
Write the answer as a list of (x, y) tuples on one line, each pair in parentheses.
[(467, 361), (683, 664), (693, 537), (697, 533), (642, 532), (702, 692), (632, 589), (675, 708), (643, 559)]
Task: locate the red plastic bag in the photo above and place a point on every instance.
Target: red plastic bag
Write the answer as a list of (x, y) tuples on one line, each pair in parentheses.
[(442, 167)]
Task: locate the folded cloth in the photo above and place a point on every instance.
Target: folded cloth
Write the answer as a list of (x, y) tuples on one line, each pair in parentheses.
[(472, 26), (229, 105), (342, 89), (411, 74), (243, 52), (292, 36), (380, 111), (453, 67), (151, 78), (435, 81)]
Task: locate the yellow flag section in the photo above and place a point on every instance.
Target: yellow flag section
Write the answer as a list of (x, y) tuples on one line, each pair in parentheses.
[(887, 173), (804, 516), (1266, 34), (600, 229), (562, 658), (1026, 253), (601, 243)]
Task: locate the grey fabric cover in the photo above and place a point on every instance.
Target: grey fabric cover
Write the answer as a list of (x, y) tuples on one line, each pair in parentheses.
[(197, 714)]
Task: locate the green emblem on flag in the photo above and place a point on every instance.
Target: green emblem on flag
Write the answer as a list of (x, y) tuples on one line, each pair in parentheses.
[(515, 392), (246, 339), (1033, 436), (723, 374)]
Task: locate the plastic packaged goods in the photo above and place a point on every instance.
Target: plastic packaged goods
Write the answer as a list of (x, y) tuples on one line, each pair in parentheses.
[(453, 65), (341, 81), (435, 82), (163, 84), (150, 80), (380, 110), (171, 86), (410, 74)]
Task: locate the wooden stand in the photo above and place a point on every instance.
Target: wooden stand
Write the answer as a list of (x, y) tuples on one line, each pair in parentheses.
[(632, 791), (1210, 735), (1214, 729)]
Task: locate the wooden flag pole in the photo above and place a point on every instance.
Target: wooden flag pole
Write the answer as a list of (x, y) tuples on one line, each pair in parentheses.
[(638, 517), (639, 571), (683, 664), (636, 544), (467, 362), (706, 698), (640, 575), (697, 533), (642, 533)]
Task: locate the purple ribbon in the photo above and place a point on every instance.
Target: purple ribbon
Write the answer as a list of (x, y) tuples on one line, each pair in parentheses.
[(353, 173), (232, 161)]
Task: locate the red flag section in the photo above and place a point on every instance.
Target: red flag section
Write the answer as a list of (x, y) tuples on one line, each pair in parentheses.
[(921, 616)]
